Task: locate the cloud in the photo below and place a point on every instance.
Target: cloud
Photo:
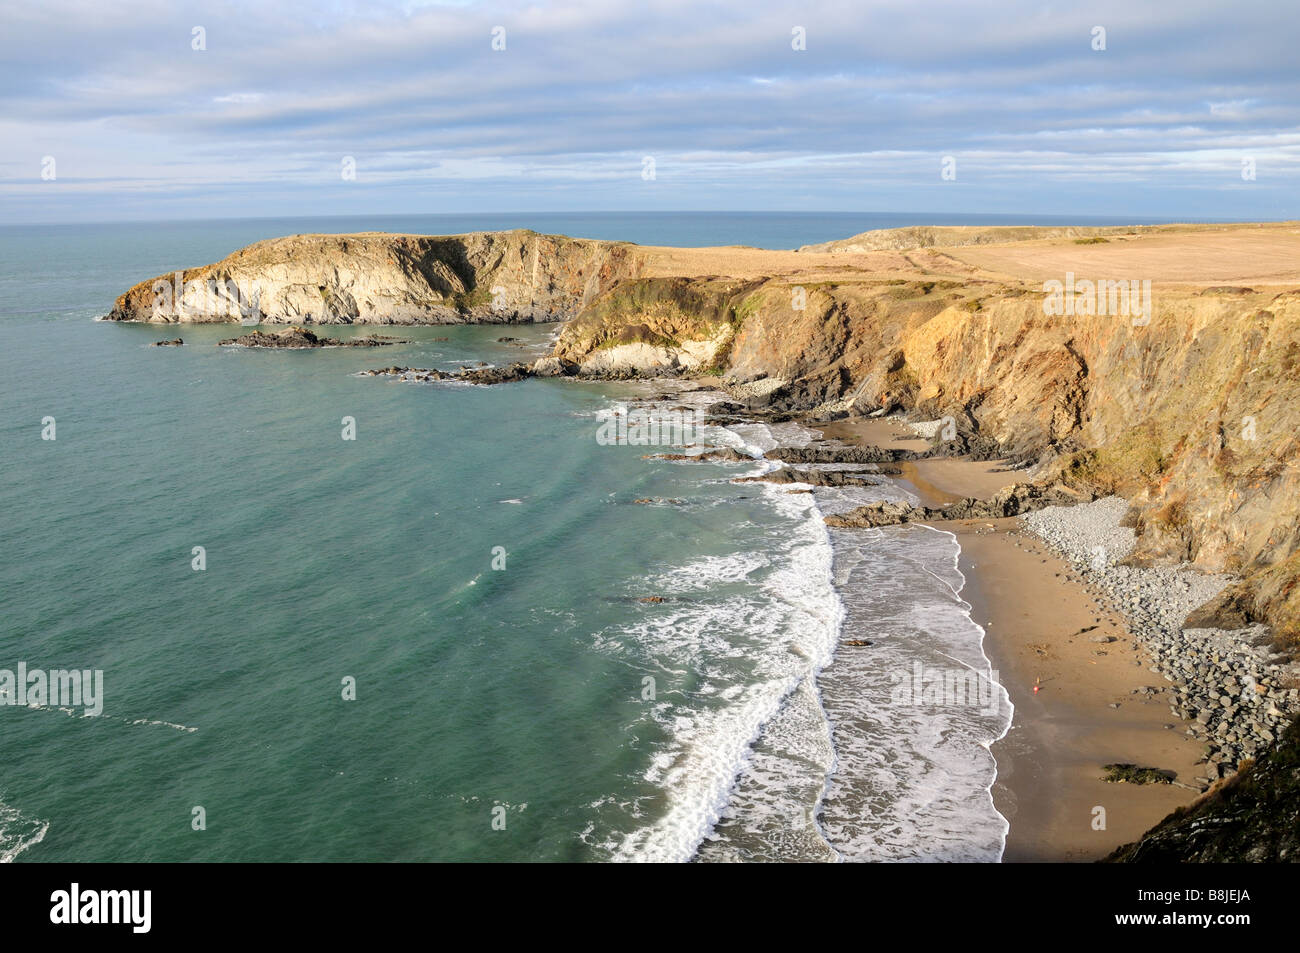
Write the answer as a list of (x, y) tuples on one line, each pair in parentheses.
[(1037, 119)]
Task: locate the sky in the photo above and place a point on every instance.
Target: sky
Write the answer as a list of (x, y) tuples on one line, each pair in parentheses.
[(157, 110)]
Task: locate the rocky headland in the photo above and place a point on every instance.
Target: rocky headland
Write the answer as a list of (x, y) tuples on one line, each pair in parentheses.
[(374, 278)]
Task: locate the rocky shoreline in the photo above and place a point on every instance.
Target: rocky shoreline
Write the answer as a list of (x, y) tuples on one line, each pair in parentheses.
[(1237, 694), (1172, 412), (1013, 501)]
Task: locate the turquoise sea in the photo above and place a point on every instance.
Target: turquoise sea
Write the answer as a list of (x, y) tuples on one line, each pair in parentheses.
[(500, 714)]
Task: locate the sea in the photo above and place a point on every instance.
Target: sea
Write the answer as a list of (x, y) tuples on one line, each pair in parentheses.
[(469, 631)]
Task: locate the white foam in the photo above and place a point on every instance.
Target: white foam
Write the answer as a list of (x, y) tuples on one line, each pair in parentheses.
[(915, 780), (770, 750), (709, 571), (73, 713), (748, 744), (18, 832)]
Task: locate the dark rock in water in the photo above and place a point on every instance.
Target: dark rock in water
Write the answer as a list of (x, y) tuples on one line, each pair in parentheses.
[(724, 407), (507, 340), (497, 375), (814, 477), (1250, 818), (176, 343), (298, 337), (369, 340), (816, 454), (474, 375), (723, 455), (1009, 501), (878, 514)]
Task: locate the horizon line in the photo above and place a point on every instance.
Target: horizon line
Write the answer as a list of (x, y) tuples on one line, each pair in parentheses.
[(1137, 220)]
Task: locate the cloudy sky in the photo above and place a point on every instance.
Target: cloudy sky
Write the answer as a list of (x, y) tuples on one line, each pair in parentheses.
[(165, 110)]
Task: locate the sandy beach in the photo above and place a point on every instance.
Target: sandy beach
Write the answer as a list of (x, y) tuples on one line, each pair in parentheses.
[(1041, 623)]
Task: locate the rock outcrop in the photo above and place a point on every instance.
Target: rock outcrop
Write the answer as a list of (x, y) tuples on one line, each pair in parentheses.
[(508, 374), (1015, 500)]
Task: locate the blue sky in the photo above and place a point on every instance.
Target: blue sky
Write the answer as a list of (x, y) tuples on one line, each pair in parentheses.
[(141, 125)]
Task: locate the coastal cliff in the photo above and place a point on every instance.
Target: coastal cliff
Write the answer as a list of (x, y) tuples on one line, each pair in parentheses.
[(374, 278)]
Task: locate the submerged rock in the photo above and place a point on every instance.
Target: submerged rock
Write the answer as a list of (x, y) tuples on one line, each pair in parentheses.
[(473, 375), (815, 477)]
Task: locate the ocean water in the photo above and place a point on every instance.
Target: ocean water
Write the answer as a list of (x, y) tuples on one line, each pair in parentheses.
[(661, 681)]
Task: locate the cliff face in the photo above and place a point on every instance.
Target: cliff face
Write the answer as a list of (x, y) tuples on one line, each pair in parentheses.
[(1190, 412), (485, 277)]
